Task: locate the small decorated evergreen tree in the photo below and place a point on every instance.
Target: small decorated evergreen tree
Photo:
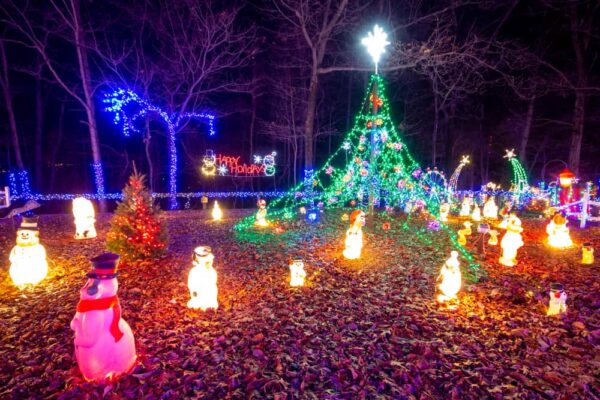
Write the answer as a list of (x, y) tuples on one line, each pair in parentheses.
[(135, 231)]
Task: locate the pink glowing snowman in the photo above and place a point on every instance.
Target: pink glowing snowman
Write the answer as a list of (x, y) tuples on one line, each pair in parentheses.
[(104, 343)]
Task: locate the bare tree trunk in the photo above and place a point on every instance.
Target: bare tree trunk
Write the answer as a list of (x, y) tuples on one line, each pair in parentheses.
[(12, 123), (436, 123), (147, 141), (309, 123), (39, 125), (252, 126), (56, 145), (526, 131), (577, 132), (84, 71)]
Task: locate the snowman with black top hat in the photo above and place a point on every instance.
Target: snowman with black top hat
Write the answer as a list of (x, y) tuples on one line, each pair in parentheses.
[(28, 264)]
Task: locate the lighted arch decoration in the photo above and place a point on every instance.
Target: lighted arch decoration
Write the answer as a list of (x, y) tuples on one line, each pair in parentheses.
[(456, 174), (127, 107)]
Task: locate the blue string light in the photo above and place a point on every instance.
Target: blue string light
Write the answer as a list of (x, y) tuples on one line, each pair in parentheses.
[(98, 177), (118, 196), (121, 102), (18, 182)]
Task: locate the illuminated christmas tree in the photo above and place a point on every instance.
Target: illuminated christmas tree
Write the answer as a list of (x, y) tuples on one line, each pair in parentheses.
[(135, 230)]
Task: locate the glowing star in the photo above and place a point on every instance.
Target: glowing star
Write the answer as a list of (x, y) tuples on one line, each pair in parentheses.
[(450, 280), (476, 215), (104, 343), (444, 210), (587, 253), (558, 233), (510, 154), (354, 242), (222, 170), (490, 209), (257, 159), (346, 146), (465, 208), (28, 263), (297, 273), (217, 214), (202, 280), (85, 217), (558, 299), (511, 241), (261, 214), (465, 160), (375, 43)]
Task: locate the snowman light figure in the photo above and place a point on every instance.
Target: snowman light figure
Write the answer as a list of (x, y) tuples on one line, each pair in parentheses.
[(104, 343), (558, 233), (297, 273), (354, 236), (444, 210), (465, 207), (217, 214), (511, 241), (558, 299), (476, 216), (587, 253), (85, 217), (505, 214), (28, 264), (490, 209), (450, 281), (261, 214), (202, 280)]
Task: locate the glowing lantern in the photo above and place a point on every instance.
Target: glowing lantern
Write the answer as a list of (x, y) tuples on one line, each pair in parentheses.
[(297, 273), (217, 214), (511, 241), (465, 207), (493, 241), (450, 280), (558, 299), (354, 235), (565, 178), (104, 343), (558, 233), (202, 280), (490, 209), (85, 217), (261, 214), (467, 229), (444, 210), (587, 254), (462, 240), (28, 263), (476, 216)]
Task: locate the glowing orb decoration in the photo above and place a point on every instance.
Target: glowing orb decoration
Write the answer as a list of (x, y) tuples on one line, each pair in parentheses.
[(465, 207), (297, 273), (104, 343), (85, 218), (558, 300), (468, 231), (312, 215), (28, 264), (354, 236), (202, 280), (476, 215), (375, 43), (587, 254), (261, 214), (493, 241), (386, 226), (444, 211), (558, 233), (566, 178), (490, 209), (511, 241), (449, 280), (217, 213)]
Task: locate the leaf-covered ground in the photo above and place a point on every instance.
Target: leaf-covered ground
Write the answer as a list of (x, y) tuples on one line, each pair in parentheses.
[(363, 329)]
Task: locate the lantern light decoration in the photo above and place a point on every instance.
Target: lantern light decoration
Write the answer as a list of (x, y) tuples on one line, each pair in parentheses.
[(217, 213), (261, 214), (558, 233), (558, 298), (450, 281), (297, 273), (587, 253), (465, 208), (511, 241), (104, 343), (493, 240), (476, 215), (354, 236), (444, 210), (202, 280), (28, 264), (490, 209), (85, 218)]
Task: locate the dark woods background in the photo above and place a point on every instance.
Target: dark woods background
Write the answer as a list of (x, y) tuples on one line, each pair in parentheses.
[(464, 77)]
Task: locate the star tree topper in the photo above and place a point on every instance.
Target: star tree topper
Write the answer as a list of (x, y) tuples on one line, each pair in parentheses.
[(375, 44)]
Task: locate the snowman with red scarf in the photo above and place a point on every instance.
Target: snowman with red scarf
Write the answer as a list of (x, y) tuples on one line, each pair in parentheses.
[(104, 343)]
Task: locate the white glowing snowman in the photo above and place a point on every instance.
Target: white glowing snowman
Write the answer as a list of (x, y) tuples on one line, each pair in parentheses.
[(28, 264), (354, 236), (490, 209), (558, 300), (104, 343), (85, 218), (465, 207), (450, 279), (261, 214), (202, 280), (297, 273), (511, 241), (444, 210)]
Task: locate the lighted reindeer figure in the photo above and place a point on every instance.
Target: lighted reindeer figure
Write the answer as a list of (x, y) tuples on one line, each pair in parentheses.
[(354, 236)]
